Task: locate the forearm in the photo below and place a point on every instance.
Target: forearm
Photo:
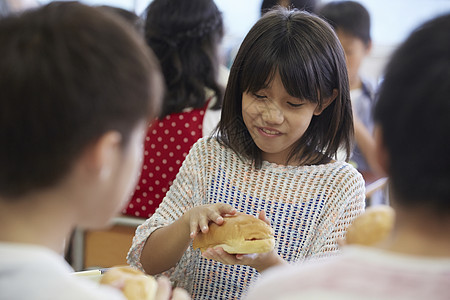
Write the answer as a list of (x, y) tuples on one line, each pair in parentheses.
[(271, 261), (165, 247), (366, 144)]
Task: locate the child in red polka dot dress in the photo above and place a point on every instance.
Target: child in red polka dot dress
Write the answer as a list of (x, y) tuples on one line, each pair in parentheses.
[(191, 109), (167, 143)]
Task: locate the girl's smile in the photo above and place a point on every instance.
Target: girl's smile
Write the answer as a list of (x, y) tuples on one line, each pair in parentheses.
[(276, 120), (269, 132)]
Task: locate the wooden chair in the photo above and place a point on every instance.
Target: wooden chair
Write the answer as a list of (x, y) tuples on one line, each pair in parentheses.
[(96, 249)]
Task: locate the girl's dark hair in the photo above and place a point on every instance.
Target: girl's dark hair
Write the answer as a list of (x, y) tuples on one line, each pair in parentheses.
[(185, 36), (413, 111), (349, 16), (306, 53), (306, 5)]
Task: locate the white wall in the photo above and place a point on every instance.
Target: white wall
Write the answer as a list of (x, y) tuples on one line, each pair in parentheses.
[(392, 21)]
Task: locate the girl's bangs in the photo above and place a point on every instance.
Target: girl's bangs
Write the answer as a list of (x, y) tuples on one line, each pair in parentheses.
[(298, 79), (295, 71), (257, 72)]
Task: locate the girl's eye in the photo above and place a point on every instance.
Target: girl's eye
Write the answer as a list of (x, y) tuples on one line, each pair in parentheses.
[(295, 104), (259, 96)]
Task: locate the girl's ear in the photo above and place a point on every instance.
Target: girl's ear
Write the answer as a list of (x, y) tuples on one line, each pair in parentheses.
[(100, 157), (326, 102)]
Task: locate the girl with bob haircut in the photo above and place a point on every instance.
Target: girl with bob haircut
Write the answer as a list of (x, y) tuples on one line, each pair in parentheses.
[(285, 115), (310, 66)]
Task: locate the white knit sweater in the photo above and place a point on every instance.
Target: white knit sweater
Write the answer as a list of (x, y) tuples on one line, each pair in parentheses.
[(310, 208)]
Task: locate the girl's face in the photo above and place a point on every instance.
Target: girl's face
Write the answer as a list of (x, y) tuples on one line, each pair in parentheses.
[(276, 120), (355, 52)]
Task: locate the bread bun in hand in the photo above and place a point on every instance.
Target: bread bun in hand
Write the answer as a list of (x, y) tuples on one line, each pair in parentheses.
[(239, 234), (136, 284), (372, 226)]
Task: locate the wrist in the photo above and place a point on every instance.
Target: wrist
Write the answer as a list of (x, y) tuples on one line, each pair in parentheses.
[(184, 224), (272, 260)]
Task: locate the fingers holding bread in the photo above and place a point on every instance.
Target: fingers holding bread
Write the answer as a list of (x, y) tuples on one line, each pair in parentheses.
[(262, 216), (200, 217)]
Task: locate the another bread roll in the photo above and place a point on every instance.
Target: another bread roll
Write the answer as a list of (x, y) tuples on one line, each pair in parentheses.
[(136, 284), (239, 234), (371, 227)]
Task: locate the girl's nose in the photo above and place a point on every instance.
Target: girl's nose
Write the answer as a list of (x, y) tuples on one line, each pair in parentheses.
[(270, 113)]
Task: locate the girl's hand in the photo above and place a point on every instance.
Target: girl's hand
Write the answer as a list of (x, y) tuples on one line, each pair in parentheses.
[(259, 261), (199, 217), (262, 216)]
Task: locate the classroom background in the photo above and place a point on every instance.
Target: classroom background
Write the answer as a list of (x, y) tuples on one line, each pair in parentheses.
[(392, 21)]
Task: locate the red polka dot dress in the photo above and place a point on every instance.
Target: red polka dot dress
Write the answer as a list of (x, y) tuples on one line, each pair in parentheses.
[(167, 143)]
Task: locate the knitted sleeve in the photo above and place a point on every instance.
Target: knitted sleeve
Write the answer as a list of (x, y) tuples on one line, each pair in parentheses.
[(186, 192), (346, 203)]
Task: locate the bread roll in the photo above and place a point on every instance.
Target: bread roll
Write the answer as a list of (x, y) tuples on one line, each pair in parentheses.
[(137, 285), (239, 234), (371, 227)]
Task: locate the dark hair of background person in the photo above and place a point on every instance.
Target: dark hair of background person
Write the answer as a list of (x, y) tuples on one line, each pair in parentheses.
[(310, 60), (185, 36), (413, 110), (132, 18), (349, 16), (68, 74), (306, 5)]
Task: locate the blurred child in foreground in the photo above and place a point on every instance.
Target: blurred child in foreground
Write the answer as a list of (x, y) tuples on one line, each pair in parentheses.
[(77, 88)]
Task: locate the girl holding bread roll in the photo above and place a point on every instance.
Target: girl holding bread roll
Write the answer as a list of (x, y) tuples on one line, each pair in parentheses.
[(285, 115)]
